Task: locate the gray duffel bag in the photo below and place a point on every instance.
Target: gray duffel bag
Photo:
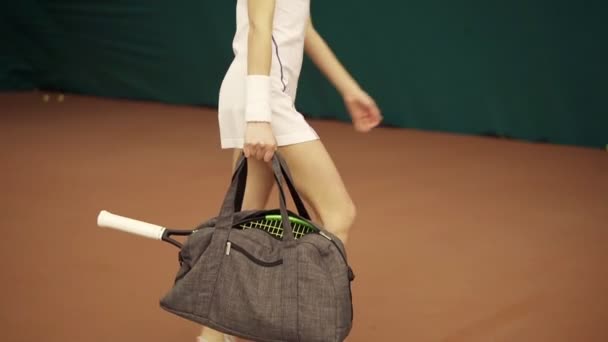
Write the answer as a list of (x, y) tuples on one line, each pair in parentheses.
[(264, 275)]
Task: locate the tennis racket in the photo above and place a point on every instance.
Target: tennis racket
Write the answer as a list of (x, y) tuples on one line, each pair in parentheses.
[(270, 223)]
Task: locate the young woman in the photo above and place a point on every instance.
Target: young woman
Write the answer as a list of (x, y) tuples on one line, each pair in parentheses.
[(257, 114)]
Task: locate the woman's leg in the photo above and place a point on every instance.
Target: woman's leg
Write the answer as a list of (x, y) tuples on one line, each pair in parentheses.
[(260, 181), (319, 183)]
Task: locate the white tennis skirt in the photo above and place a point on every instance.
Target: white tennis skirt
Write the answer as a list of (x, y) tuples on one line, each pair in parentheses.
[(288, 125)]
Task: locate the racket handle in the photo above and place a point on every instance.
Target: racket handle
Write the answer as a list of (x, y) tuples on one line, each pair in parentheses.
[(108, 220)]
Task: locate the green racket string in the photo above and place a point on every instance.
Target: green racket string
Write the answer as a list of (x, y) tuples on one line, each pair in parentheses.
[(272, 224)]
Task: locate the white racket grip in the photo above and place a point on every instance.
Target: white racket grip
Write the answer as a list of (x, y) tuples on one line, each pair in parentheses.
[(129, 225)]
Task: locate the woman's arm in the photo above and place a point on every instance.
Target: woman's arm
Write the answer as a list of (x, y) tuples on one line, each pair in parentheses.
[(259, 42), (260, 142), (361, 107), (323, 57)]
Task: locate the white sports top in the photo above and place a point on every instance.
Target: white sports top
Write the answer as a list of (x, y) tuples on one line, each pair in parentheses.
[(288, 33), (288, 125)]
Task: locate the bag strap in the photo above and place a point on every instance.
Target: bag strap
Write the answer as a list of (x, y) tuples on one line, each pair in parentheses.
[(284, 170), (234, 196), (292, 189), (279, 175), (233, 200)]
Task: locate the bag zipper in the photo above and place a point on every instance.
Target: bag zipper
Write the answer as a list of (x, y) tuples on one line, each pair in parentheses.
[(232, 246), (351, 274)]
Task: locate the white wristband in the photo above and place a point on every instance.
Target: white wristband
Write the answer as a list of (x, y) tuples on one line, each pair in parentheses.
[(257, 98)]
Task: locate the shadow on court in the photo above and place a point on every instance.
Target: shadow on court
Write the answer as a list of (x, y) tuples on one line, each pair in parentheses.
[(458, 238)]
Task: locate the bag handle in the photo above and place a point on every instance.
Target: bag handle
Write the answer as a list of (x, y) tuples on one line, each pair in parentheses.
[(279, 175), (234, 197), (292, 189), (241, 185)]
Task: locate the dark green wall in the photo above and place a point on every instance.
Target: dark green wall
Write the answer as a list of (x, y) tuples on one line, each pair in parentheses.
[(528, 69), (144, 49)]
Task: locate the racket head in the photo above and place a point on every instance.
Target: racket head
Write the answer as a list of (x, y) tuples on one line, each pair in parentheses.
[(272, 223)]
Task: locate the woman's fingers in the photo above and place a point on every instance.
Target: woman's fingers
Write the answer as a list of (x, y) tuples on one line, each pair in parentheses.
[(268, 155), (247, 150), (259, 151), (260, 142)]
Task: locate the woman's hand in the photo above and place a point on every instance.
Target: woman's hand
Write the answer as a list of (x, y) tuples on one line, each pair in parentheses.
[(363, 110), (260, 142)]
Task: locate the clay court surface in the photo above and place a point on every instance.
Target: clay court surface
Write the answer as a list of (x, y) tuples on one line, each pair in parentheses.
[(458, 238)]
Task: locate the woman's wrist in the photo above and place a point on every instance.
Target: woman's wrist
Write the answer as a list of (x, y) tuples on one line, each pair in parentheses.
[(257, 98), (348, 87)]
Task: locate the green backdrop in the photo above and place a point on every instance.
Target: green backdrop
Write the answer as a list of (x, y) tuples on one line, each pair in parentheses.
[(533, 70)]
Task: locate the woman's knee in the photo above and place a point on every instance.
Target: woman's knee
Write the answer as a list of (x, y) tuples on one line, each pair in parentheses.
[(339, 219)]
